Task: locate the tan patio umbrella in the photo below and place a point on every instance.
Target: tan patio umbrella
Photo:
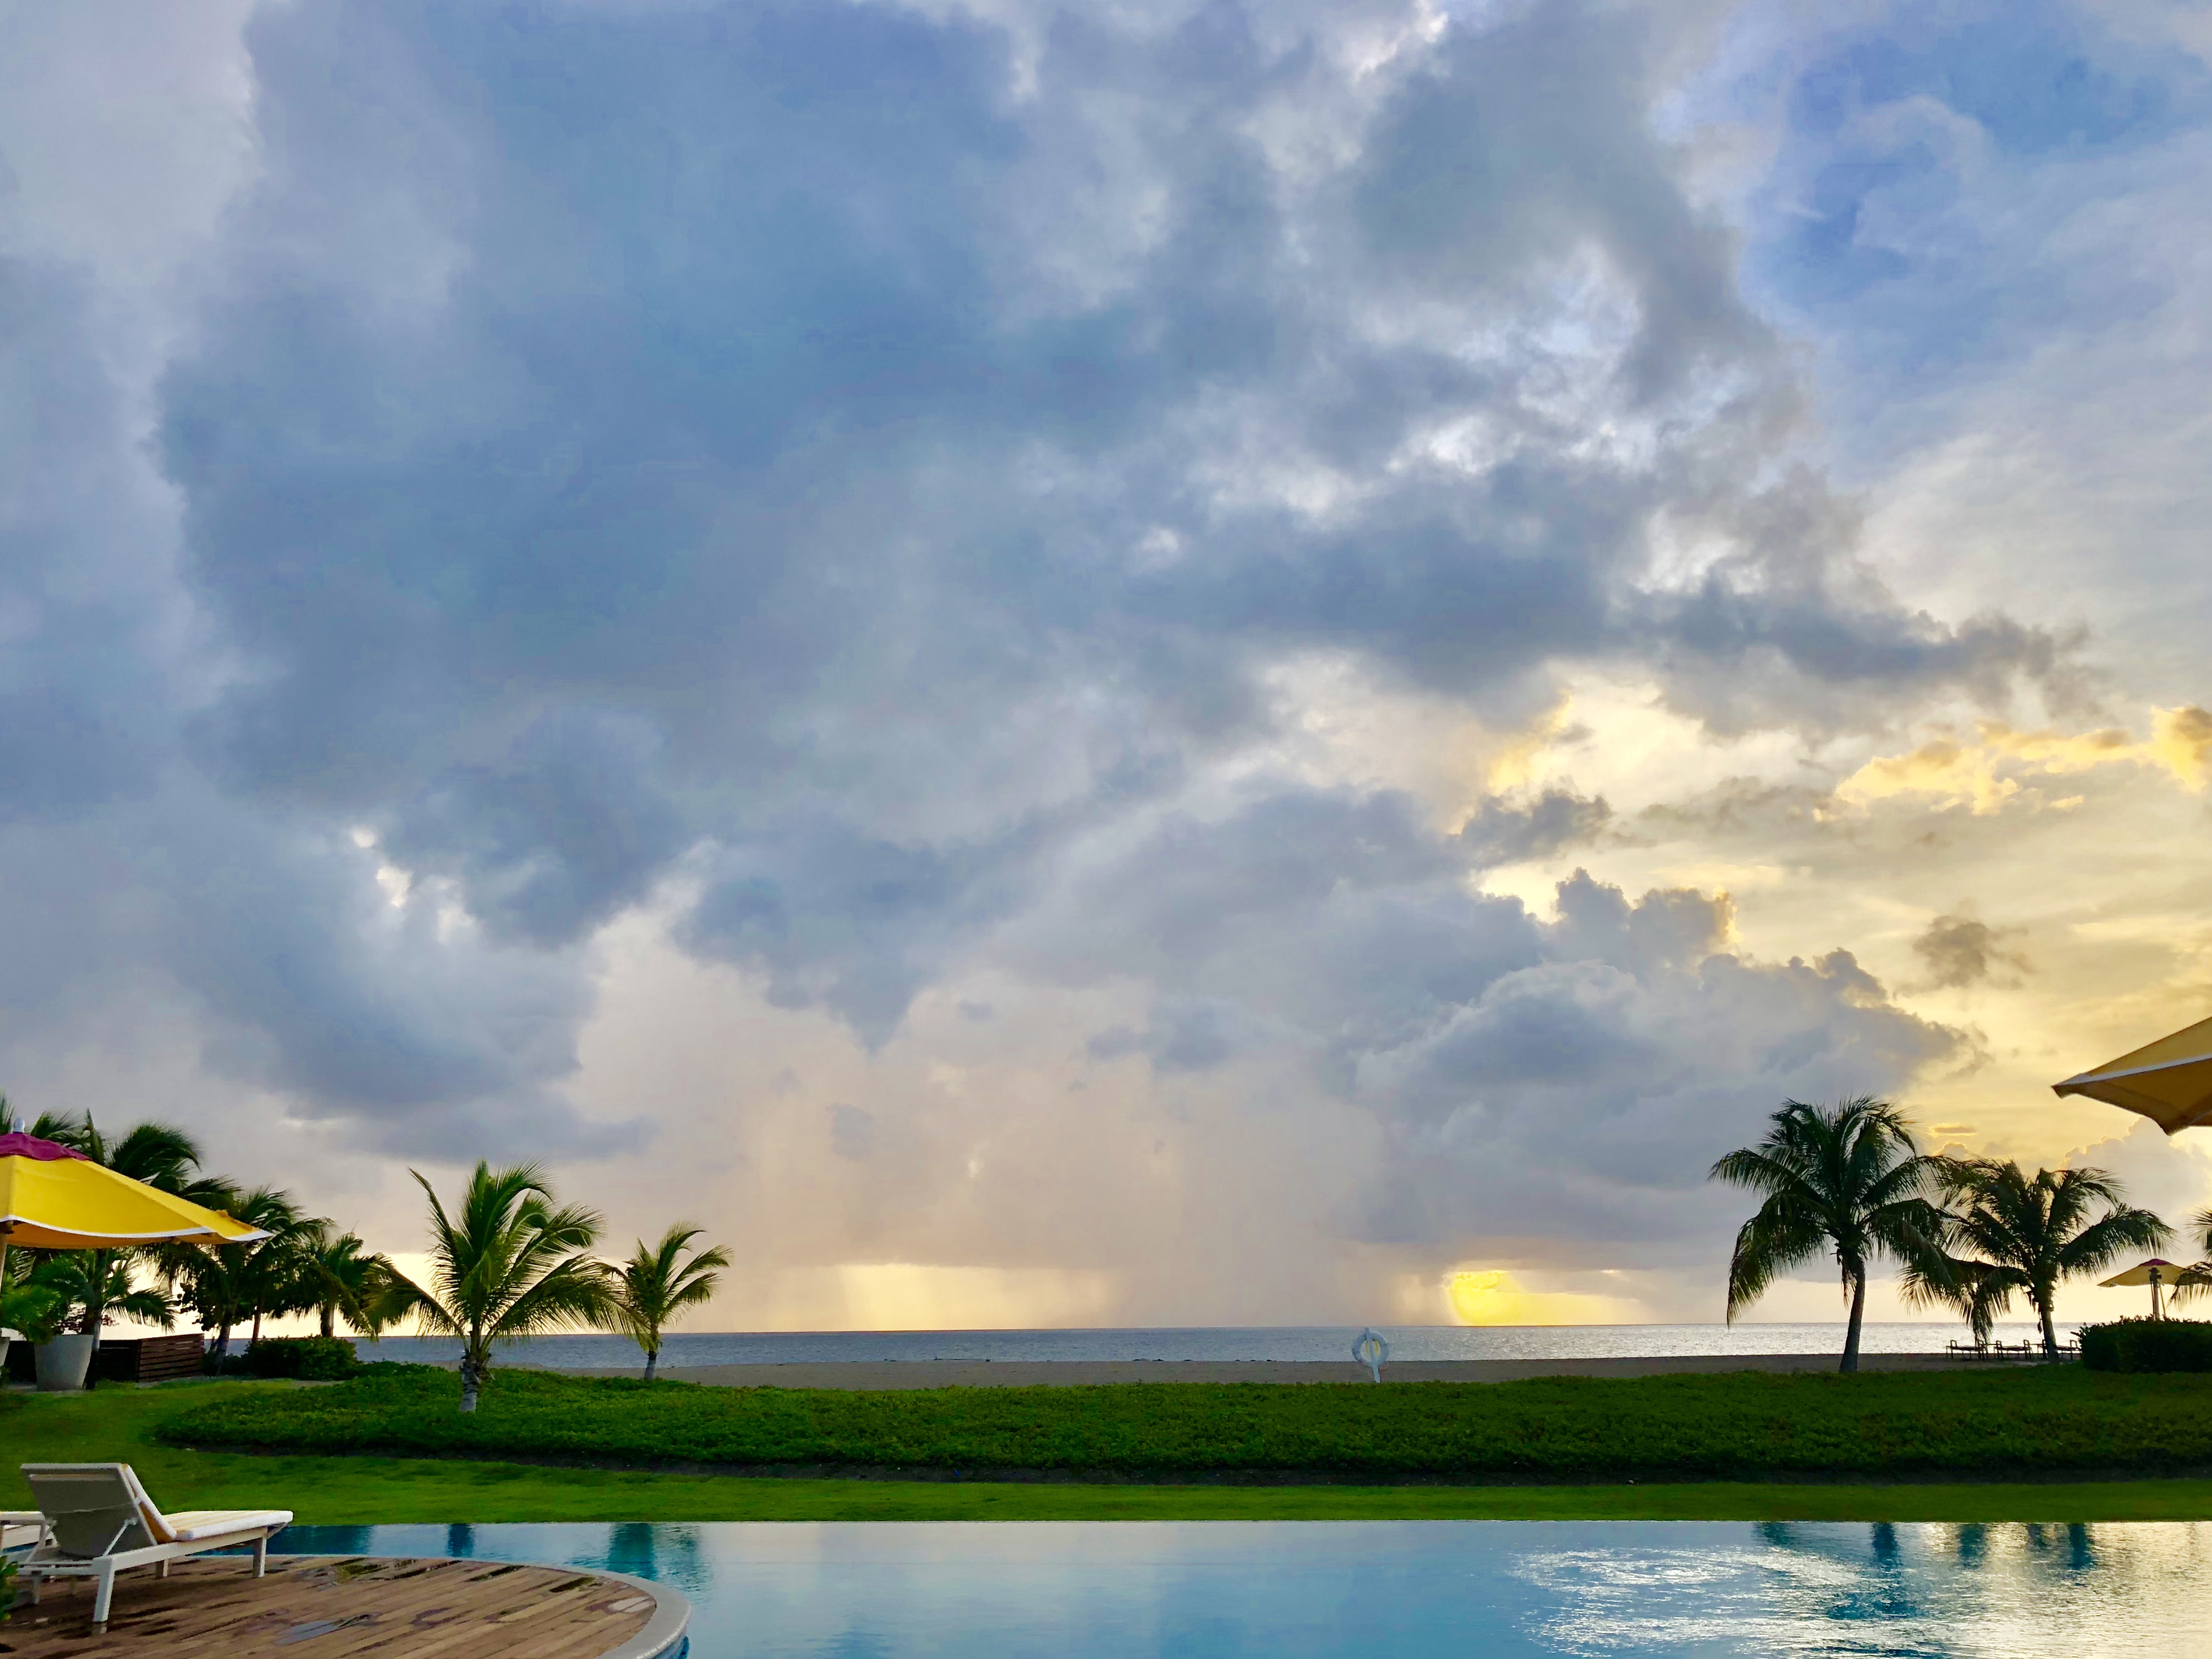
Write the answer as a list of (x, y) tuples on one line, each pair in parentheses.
[(2153, 1272), (2168, 1081)]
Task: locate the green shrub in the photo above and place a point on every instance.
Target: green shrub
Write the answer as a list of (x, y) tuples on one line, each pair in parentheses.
[(2147, 1345), (7, 1588), (307, 1358)]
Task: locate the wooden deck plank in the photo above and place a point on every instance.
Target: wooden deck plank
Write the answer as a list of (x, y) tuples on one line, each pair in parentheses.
[(335, 1607)]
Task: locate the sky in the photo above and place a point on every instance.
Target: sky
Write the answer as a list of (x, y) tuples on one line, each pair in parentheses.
[(1140, 664)]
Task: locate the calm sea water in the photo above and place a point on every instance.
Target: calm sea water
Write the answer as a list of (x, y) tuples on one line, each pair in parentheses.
[(1312, 1342), (1498, 1589)]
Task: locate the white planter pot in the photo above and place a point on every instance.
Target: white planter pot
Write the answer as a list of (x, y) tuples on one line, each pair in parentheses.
[(63, 1363)]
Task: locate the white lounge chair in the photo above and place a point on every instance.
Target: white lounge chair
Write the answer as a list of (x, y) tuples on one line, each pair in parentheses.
[(99, 1521), (21, 1528)]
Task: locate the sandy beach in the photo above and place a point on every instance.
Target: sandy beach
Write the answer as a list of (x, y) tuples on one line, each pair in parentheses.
[(988, 1374)]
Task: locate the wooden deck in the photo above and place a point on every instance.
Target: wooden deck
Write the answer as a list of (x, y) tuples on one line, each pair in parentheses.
[(314, 1607)]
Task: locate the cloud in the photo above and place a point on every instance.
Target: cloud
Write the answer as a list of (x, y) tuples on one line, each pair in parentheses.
[(556, 841), (838, 492), (1961, 951), (1992, 769), (1554, 819), (1584, 1096), (2171, 1179), (851, 1131), (1529, 1079), (1186, 1038)]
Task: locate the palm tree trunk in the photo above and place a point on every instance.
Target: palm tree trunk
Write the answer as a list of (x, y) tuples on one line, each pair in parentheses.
[(1858, 1314), (256, 1326), (222, 1342), (652, 1361), (95, 1312), (2050, 1334), (96, 1304), (471, 1381), (328, 1312)]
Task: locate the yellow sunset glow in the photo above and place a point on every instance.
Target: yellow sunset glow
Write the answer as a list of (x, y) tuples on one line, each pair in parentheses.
[(1484, 1298)]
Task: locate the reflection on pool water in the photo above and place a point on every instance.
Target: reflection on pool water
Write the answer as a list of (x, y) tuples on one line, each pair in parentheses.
[(1405, 1589)]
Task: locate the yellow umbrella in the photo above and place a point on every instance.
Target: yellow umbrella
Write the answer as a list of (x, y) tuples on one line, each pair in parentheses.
[(53, 1198), (2168, 1081), (2153, 1272)]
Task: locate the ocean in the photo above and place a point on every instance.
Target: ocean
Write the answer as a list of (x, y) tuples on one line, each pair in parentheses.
[(1423, 1342)]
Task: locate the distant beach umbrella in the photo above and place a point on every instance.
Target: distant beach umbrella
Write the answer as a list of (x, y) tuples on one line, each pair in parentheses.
[(1371, 1350), (54, 1199), (2154, 1273), (2168, 1081)]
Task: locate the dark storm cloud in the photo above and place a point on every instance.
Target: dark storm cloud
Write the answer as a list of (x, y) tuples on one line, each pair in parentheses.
[(1531, 1077), (778, 453), (1517, 147), (554, 840), (82, 636), (1584, 1096), (1503, 831), (1959, 950), (834, 917), (1185, 1037)]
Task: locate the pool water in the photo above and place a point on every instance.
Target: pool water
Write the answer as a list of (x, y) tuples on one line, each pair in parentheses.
[(1403, 1589)]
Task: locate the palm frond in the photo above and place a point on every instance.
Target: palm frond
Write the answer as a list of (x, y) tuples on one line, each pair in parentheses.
[(577, 1293), (2101, 1243), (1779, 1237), (658, 1283)]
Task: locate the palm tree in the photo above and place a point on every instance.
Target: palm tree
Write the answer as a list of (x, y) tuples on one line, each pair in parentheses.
[(158, 1154), (2197, 1278), (2026, 1234), (1848, 1178), (508, 1263), (47, 1126), (225, 1283), (347, 1282), (68, 1275), (657, 1283), (29, 1302)]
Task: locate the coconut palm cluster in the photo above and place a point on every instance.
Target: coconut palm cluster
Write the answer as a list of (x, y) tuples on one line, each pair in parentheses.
[(1849, 1181), (507, 1260)]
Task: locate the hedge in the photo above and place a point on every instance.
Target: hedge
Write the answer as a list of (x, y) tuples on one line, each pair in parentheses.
[(2147, 1345), (307, 1358), (2030, 1422)]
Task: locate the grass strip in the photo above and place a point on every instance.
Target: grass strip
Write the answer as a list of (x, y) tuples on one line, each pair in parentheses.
[(122, 1424), (2030, 1424)]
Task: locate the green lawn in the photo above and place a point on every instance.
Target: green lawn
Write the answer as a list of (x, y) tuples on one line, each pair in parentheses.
[(2040, 1423), (118, 1423)]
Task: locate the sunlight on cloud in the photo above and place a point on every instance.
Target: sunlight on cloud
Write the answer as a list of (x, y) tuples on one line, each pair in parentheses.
[(1994, 769), (1491, 1297), (909, 1296)]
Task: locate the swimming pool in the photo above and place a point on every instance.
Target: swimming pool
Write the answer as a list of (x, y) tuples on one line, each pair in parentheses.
[(1397, 1590)]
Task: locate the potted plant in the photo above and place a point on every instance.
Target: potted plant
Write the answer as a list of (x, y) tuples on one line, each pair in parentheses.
[(87, 1287), (29, 1312)]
